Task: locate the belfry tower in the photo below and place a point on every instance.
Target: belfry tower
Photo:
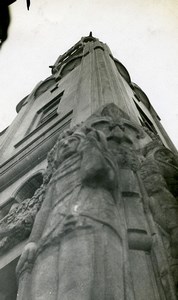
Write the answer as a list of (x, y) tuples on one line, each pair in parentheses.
[(88, 188)]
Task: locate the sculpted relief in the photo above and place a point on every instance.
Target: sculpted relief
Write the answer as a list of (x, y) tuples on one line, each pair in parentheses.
[(75, 246), (160, 176), (107, 226)]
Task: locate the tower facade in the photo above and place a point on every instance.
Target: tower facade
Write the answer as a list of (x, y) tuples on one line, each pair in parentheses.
[(88, 187)]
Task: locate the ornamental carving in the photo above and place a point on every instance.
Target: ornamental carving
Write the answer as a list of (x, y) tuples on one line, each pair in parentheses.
[(108, 202), (17, 225), (79, 209), (159, 172), (82, 225)]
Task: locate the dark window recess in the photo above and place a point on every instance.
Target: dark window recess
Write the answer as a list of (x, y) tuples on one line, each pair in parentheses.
[(28, 189), (8, 281), (3, 131), (137, 97), (46, 114), (25, 192), (49, 111), (60, 124), (145, 121)]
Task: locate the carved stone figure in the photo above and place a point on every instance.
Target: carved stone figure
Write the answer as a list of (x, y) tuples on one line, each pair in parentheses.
[(17, 224), (108, 223), (75, 248), (124, 138), (159, 172)]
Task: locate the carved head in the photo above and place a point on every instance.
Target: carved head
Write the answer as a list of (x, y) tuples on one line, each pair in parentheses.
[(67, 147)]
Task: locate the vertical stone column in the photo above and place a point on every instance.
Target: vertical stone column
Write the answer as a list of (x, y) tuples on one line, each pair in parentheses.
[(99, 84)]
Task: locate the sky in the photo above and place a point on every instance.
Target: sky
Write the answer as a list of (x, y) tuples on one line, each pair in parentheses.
[(142, 34)]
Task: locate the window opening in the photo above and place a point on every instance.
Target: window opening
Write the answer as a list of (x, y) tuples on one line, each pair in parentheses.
[(46, 114), (8, 281), (28, 189), (145, 121), (60, 124), (49, 111)]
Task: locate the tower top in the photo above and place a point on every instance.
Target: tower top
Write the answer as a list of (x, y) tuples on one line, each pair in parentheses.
[(73, 51)]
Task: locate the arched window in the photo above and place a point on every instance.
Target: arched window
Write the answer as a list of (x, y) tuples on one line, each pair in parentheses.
[(70, 65), (8, 281), (28, 189)]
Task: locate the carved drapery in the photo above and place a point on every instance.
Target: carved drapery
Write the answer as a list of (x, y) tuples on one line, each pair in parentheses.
[(110, 206), (159, 172), (78, 223)]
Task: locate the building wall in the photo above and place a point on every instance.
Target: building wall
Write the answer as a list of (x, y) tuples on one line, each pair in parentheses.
[(84, 79)]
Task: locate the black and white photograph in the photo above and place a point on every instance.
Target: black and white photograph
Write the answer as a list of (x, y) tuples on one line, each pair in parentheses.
[(88, 150)]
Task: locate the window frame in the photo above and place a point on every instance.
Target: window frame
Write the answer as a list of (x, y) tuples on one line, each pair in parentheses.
[(144, 119), (39, 120)]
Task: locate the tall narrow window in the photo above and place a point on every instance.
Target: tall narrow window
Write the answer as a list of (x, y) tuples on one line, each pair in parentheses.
[(49, 111), (46, 114), (145, 121)]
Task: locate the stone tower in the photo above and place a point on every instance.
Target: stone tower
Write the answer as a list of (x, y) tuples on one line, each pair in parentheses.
[(88, 188)]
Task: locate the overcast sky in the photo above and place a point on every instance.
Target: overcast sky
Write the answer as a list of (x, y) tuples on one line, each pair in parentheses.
[(142, 34)]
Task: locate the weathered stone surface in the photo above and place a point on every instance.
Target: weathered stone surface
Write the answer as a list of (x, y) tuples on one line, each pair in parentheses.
[(159, 164), (108, 219), (17, 225), (77, 229), (106, 215)]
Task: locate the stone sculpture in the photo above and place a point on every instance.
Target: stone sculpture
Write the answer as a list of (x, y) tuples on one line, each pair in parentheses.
[(75, 248), (104, 229), (159, 172), (17, 225)]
